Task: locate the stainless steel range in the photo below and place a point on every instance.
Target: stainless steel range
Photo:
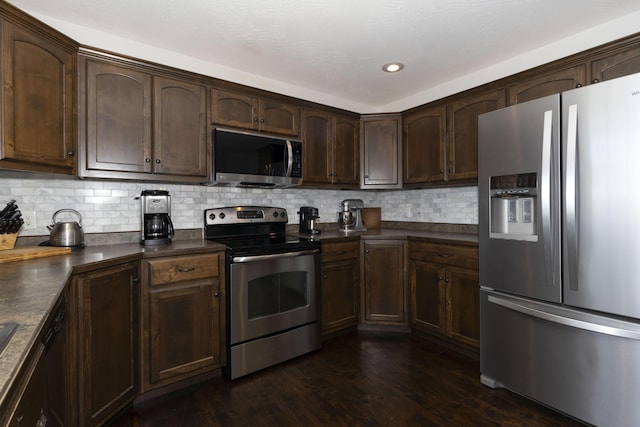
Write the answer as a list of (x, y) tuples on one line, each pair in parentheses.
[(273, 287)]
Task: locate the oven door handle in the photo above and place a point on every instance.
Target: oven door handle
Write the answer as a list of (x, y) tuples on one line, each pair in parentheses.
[(274, 256)]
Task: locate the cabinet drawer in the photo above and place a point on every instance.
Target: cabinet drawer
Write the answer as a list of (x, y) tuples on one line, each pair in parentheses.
[(183, 268), (340, 251), (462, 256)]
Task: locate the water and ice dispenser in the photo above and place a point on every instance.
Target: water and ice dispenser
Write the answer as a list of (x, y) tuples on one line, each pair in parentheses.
[(513, 207)]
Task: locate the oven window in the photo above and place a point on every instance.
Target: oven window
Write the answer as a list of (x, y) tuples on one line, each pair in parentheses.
[(278, 293)]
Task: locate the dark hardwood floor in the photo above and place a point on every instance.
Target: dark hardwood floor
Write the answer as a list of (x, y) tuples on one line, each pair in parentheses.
[(359, 379)]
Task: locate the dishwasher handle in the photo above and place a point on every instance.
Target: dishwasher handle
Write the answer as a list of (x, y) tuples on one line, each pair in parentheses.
[(56, 325)]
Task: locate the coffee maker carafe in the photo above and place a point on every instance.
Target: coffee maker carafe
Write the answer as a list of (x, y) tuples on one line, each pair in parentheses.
[(156, 226), (308, 220), (350, 215)]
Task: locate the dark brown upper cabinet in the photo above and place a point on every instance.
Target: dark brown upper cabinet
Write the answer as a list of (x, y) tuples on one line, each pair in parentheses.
[(462, 133), (424, 145), (331, 152), (137, 125), (251, 112), (381, 151), (37, 98), (548, 84), (616, 64), (441, 141)]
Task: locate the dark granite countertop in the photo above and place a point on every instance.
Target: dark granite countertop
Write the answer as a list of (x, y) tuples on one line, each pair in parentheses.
[(470, 239), (29, 290)]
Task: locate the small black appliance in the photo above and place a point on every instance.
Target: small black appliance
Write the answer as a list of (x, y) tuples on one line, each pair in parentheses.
[(156, 226), (309, 220)]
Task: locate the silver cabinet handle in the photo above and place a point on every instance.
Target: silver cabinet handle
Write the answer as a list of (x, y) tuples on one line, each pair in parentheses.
[(185, 269)]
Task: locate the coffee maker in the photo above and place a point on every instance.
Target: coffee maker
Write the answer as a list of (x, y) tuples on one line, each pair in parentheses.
[(308, 220), (156, 226), (350, 215)]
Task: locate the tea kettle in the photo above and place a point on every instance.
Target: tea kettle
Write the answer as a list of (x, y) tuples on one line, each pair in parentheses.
[(66, 233)]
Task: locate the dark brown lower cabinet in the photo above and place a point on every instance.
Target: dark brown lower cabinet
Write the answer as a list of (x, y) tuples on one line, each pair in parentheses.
[(91, 363), (102, 319), (384, 296), (182, 325), (29, 407), (339, 289), (445, 291)]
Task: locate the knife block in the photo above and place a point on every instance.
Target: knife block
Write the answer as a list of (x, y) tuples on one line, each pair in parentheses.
[(8, 241)]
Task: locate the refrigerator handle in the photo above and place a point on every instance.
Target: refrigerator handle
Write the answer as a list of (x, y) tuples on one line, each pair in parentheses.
[(566, 320), (571, 198), (545, 193)]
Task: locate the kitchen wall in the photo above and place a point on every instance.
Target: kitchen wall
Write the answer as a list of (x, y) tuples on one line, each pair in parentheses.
[(110, 206)]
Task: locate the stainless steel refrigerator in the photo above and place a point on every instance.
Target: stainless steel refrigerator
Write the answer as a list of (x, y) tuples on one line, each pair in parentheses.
[(559, 236)]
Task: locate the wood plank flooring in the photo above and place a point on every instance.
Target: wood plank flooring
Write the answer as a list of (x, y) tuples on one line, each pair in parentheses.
[(360, 379)]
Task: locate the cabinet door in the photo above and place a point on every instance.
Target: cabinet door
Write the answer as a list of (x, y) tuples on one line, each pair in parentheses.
[(30, 406), (118, 118), (37, 103), (463, 302), (424, 146), (340, 294), (462, 135), (180, 124), (428, 293), (548, 84), (346, 152), (381, 148), (107, 341), (234, 109), (317, 135), (183, 330), (384, 282), (278, 117), (616, 65)]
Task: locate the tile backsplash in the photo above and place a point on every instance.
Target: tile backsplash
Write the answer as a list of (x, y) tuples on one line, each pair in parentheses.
[(110, 206)]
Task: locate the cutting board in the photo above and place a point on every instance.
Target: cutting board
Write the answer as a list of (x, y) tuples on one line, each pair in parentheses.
[(30, 252)]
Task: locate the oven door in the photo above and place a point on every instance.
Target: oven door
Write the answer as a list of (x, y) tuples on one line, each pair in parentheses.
[(272, 293)]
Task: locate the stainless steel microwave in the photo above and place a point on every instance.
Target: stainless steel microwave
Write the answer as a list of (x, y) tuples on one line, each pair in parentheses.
[(246, 159)]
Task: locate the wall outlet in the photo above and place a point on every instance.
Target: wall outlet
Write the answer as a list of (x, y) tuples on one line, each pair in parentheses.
[(29, 218)]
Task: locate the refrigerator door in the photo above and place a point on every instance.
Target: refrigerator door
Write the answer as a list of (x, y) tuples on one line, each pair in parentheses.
[(582, 364), (519, 199), (601, 206)]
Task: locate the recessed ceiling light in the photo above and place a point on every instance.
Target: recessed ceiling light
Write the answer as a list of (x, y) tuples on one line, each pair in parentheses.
[(392, 67)]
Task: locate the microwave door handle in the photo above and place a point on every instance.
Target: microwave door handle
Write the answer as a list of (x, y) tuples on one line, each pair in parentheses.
[(289, 158)]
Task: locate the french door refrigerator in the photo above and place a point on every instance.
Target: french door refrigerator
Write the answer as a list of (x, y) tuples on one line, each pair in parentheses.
[(559, 239)]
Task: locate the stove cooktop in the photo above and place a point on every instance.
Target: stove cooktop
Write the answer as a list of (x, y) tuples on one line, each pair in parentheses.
[(253, 230)]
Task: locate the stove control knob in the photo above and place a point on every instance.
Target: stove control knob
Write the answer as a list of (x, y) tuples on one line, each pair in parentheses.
[(275, 214), (282, 214), (222, 215), (212, 216)]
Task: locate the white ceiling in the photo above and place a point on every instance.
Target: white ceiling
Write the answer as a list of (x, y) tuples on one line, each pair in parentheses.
[(331, 51)]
